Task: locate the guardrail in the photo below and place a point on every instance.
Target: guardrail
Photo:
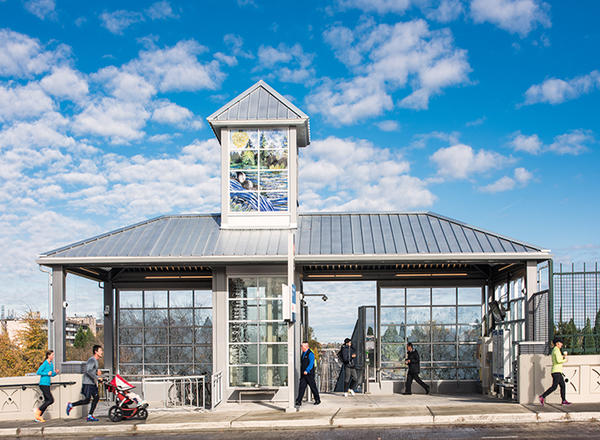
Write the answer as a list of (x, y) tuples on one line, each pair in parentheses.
[(176, 391), (216, 389)]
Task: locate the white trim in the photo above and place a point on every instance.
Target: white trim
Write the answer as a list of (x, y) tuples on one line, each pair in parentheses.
[(256, 122)]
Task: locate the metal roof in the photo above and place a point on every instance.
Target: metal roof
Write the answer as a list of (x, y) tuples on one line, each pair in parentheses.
[(322, 237), (261, 104)]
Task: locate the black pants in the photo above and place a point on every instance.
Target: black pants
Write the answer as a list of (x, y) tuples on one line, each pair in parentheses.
[(94, 398), (409, 378), (350, 376), (557, 380), (307, 379), (48, 399)]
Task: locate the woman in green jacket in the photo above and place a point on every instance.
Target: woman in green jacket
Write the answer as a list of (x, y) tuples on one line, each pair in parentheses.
[(558, 359)]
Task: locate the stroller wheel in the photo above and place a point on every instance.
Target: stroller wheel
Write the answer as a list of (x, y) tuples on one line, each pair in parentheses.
[(115, 414), (142, 413)]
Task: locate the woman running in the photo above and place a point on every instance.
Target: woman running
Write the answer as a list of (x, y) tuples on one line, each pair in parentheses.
[(46, 371)]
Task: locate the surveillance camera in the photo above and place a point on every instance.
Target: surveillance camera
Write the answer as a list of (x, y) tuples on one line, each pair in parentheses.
[(65, 304), (324, 298)]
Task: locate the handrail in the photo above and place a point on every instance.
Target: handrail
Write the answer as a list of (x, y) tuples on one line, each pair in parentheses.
[(25, 385)]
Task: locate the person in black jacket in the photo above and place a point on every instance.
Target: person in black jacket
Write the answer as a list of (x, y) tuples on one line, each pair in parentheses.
[(307, 375), (414, 368), (347, 355)]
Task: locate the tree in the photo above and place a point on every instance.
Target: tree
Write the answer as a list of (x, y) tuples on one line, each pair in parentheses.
[(33, 341), (589, 343), (313, 344), (12, 360), (83, 337), (597, 331)]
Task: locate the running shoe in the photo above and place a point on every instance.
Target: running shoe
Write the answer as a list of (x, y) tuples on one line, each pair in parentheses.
[(565, 402), (69, 408), (91, 418), (351, 392), (542, 401)]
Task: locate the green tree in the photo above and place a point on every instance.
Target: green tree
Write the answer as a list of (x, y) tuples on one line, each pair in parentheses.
[(597, 331), (83, 337), (313, 344), (33, 341), (12, 359), (589, 342)]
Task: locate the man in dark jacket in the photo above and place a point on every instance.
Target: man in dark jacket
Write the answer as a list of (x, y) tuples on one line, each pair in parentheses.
[(348, 357), (307, 375), (414, 368)]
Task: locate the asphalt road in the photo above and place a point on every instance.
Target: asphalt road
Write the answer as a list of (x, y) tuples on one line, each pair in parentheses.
[(546, 431)]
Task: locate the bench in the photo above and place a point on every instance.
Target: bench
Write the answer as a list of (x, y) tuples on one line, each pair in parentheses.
[(257, 390)]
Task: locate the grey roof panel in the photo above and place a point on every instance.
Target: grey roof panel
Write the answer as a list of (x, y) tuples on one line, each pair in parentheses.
[(318, 235)]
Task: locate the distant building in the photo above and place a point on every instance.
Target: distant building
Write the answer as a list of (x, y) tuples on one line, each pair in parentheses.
[(13, 326)]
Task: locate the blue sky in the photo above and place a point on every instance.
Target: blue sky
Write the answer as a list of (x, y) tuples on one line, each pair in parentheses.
[(481, 110)]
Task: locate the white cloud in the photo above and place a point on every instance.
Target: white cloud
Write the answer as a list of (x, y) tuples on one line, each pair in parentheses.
[(160, 10), (530, 144), (573, 142), (388, 125), (461, 161), (445, 11), (281, 56), (379, 6), (556, 91), (406, 55), (23, 102), (521, 177), (23, 56), (349, 175), (65, 82), (170, 113), (476, 122), (516, 16), (117, 21), (40, 8), (125, 85)]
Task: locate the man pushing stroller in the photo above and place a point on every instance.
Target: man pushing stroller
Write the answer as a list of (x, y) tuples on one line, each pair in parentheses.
[(89, 387)]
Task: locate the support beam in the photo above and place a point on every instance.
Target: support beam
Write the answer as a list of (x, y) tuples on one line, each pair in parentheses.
[(58, 315), (109, 323), (531, 287), (219, 322)]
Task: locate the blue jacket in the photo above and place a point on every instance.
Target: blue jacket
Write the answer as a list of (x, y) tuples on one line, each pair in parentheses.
[(308, 362), (43, 371)]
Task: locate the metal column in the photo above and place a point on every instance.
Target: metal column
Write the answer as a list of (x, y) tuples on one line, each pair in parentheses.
[(58, 314), (109, 325)]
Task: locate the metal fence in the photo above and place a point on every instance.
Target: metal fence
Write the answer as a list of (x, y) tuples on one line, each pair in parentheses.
[(176, 391), (576, 301)]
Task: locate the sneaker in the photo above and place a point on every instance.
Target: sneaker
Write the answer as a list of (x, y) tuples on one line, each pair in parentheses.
[(298, 403), (39, 419), (542, 401), (406, 394), (565, 402), (351, 392), (345, 394), (69, 408), (318, 402), (91, 418)]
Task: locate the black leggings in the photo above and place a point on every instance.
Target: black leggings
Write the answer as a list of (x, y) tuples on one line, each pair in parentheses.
[(557, 380), (48, 399), (94, 398)]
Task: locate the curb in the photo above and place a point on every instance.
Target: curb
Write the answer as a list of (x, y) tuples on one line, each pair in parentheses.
[(485, 419), (174, 427), (8, 432), (383, 421), (91, 429), (286, 423)]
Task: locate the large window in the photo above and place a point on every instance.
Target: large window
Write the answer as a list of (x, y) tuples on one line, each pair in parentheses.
[(258, 170), (443, 323), (511, 296), (164, 332), (257, 332)]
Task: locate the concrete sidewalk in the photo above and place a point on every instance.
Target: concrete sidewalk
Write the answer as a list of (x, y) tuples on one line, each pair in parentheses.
[(335, 411)]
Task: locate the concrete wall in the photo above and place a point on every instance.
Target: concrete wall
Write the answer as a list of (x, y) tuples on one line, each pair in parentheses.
[(582, 372), (17, 403)]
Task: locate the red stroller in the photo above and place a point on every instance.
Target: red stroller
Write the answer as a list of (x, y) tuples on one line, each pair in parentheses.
[(129, 405)]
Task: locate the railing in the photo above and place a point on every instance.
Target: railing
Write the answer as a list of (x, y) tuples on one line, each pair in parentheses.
[(176, 391), (216, 389)]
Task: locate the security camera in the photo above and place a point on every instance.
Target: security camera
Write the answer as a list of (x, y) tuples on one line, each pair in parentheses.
[(65, 304), (324, 298)]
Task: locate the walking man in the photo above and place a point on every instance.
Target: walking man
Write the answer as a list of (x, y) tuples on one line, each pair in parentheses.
[(348, 358), (558, 359), (307, 375), (414, 368), (89, 388)]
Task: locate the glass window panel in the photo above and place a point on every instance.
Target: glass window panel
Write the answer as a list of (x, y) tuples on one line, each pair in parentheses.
[(181, 335), (271, 310), (273, 376), (424, 351), (182, 317), (181, 355), (418, 315), (129, 336), (273, 354), (157, 318), (443, 296), (156, 355), (243, 376), (130, 355), (240, 354), (203, 354), (417, 297), (243, 160), (443, 333), (418, 333), (203, 317), (468, 354), (203, 369), (468, 373), (180, 298), (203, 298), (393, 353), (443, 315), (157, 370), (243, 310), (130, 299), (180, 370), (438, 373), (154, 299), (469, 314), (393, 333), (243, 332), (203, 335), (445, 352), (130, 369), (425, 374), (273, 332), (392, 297), (243, 201), (469, 295), (469, 333), (392, 373), (392, 315), (271, 287), (131, 318), (156, 335), (238, 287)]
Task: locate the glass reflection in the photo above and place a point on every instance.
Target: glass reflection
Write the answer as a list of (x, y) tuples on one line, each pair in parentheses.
[(392, 296), (392, 315), (418, 315), (393, 333), (131, 299), (155, 299), (443, 296), (469, 295), (417, 297)]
